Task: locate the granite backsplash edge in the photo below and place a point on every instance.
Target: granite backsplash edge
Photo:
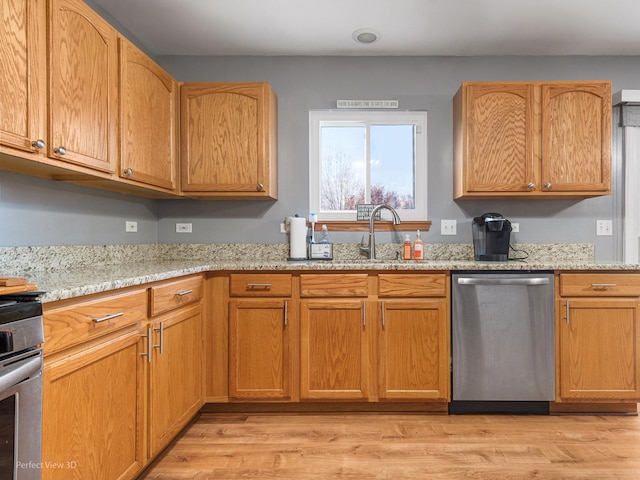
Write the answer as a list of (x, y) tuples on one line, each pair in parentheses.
[(20, 260)]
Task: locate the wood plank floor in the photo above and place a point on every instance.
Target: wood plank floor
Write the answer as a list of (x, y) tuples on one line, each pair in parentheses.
[(403, 446)]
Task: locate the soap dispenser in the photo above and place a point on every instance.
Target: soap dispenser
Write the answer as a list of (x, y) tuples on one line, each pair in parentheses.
[(406, 248), (418, 247)]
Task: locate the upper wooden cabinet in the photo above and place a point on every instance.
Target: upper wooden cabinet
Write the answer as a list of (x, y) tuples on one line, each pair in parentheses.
[(228, 140), (22, 77), (83, 72), (532, 139), (148, 114)]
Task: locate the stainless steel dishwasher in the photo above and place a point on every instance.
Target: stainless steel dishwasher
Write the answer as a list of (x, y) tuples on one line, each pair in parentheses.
[(503, 342)]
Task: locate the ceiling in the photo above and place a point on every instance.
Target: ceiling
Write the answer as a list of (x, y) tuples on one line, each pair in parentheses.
[(405, 27)]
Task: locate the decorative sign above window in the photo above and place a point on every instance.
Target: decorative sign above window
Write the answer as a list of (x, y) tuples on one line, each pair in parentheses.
[(367, 103)]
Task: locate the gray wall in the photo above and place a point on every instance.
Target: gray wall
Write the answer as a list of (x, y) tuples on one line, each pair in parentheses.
[(304, 83), (77, 215)]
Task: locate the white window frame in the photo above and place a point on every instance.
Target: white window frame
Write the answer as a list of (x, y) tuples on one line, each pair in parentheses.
[(318, 118)]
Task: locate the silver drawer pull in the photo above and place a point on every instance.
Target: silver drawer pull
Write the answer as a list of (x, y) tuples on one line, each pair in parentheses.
[(107, 317), (183, 293), (266, 286), (603, 285)]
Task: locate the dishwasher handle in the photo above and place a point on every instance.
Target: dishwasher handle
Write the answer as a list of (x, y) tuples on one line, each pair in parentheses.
[(503, 281)]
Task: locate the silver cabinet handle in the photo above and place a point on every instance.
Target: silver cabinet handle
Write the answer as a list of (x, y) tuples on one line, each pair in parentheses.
[(382, 314), (266, 286), (567, 309), (260, 187), (128, 172), (183, 293), (161, 330), (107, 317), (503, 281), (39, 144), (60, 150), (286, 312), (364, 314), (531, 185), (604, 285), (149, 345), (547, 185)]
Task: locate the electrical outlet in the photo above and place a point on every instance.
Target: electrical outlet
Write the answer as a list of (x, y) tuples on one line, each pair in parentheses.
[(515, 227), (184, 227), (448, 227), (604, 227), (130, 226), (283, 228)]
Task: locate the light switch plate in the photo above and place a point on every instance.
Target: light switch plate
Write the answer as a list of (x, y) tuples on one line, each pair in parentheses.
[(448, 227), (604, 227)]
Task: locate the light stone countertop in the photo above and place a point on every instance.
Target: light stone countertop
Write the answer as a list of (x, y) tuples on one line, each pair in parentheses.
[(64, 272), (63, 284)]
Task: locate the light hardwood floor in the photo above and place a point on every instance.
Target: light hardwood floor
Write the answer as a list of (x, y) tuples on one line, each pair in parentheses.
[(403, 446)]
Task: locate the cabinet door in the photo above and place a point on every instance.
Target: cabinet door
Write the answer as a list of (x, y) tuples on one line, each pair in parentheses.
[(414, 350), (83, 86), (499, 137), (22, 77), (334, 360), (259, 349), (176, 379), (228, 140), (599, 346), (576, 129), (148, 114), (93, 404)]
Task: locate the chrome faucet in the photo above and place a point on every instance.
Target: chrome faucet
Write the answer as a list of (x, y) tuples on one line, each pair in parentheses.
[(370, 249)]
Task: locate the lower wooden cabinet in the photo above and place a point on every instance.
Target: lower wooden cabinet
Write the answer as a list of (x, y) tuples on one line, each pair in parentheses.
[(413, 349), (93, 412), (334, 358), (363, 331), (262, 326), (598, 345), (176, 381), (175, 374), (260, 350), (118, 386)]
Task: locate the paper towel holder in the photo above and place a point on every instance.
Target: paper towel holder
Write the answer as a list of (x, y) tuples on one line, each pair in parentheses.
[(297, 245)]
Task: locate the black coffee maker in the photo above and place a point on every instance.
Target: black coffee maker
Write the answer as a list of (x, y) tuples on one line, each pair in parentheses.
[(491, 235)]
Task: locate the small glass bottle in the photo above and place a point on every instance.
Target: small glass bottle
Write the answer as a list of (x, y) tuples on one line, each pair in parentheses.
[(418, 247), (406, 248), (324, 235)]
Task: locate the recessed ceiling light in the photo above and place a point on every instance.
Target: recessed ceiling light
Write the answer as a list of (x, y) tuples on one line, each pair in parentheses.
[(366, 36)]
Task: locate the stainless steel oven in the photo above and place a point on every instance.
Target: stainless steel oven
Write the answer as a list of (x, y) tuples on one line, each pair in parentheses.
[(21, 333)]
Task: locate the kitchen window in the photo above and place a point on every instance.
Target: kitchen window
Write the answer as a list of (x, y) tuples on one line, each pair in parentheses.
[(369, 157)]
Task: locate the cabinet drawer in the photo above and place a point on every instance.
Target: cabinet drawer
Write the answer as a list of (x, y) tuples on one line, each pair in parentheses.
[(600, 284), (399, 285), (260, 285), (334, 285), (171, 295), (74, 324)]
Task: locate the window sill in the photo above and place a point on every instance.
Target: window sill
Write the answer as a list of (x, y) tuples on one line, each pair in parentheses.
[(381, 226)]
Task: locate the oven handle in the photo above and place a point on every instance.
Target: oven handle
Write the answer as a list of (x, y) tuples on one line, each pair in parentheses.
[(503, 281), (17, 372)]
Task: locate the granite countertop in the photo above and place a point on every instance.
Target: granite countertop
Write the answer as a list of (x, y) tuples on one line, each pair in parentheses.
[(64, 272), (69, 283)]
